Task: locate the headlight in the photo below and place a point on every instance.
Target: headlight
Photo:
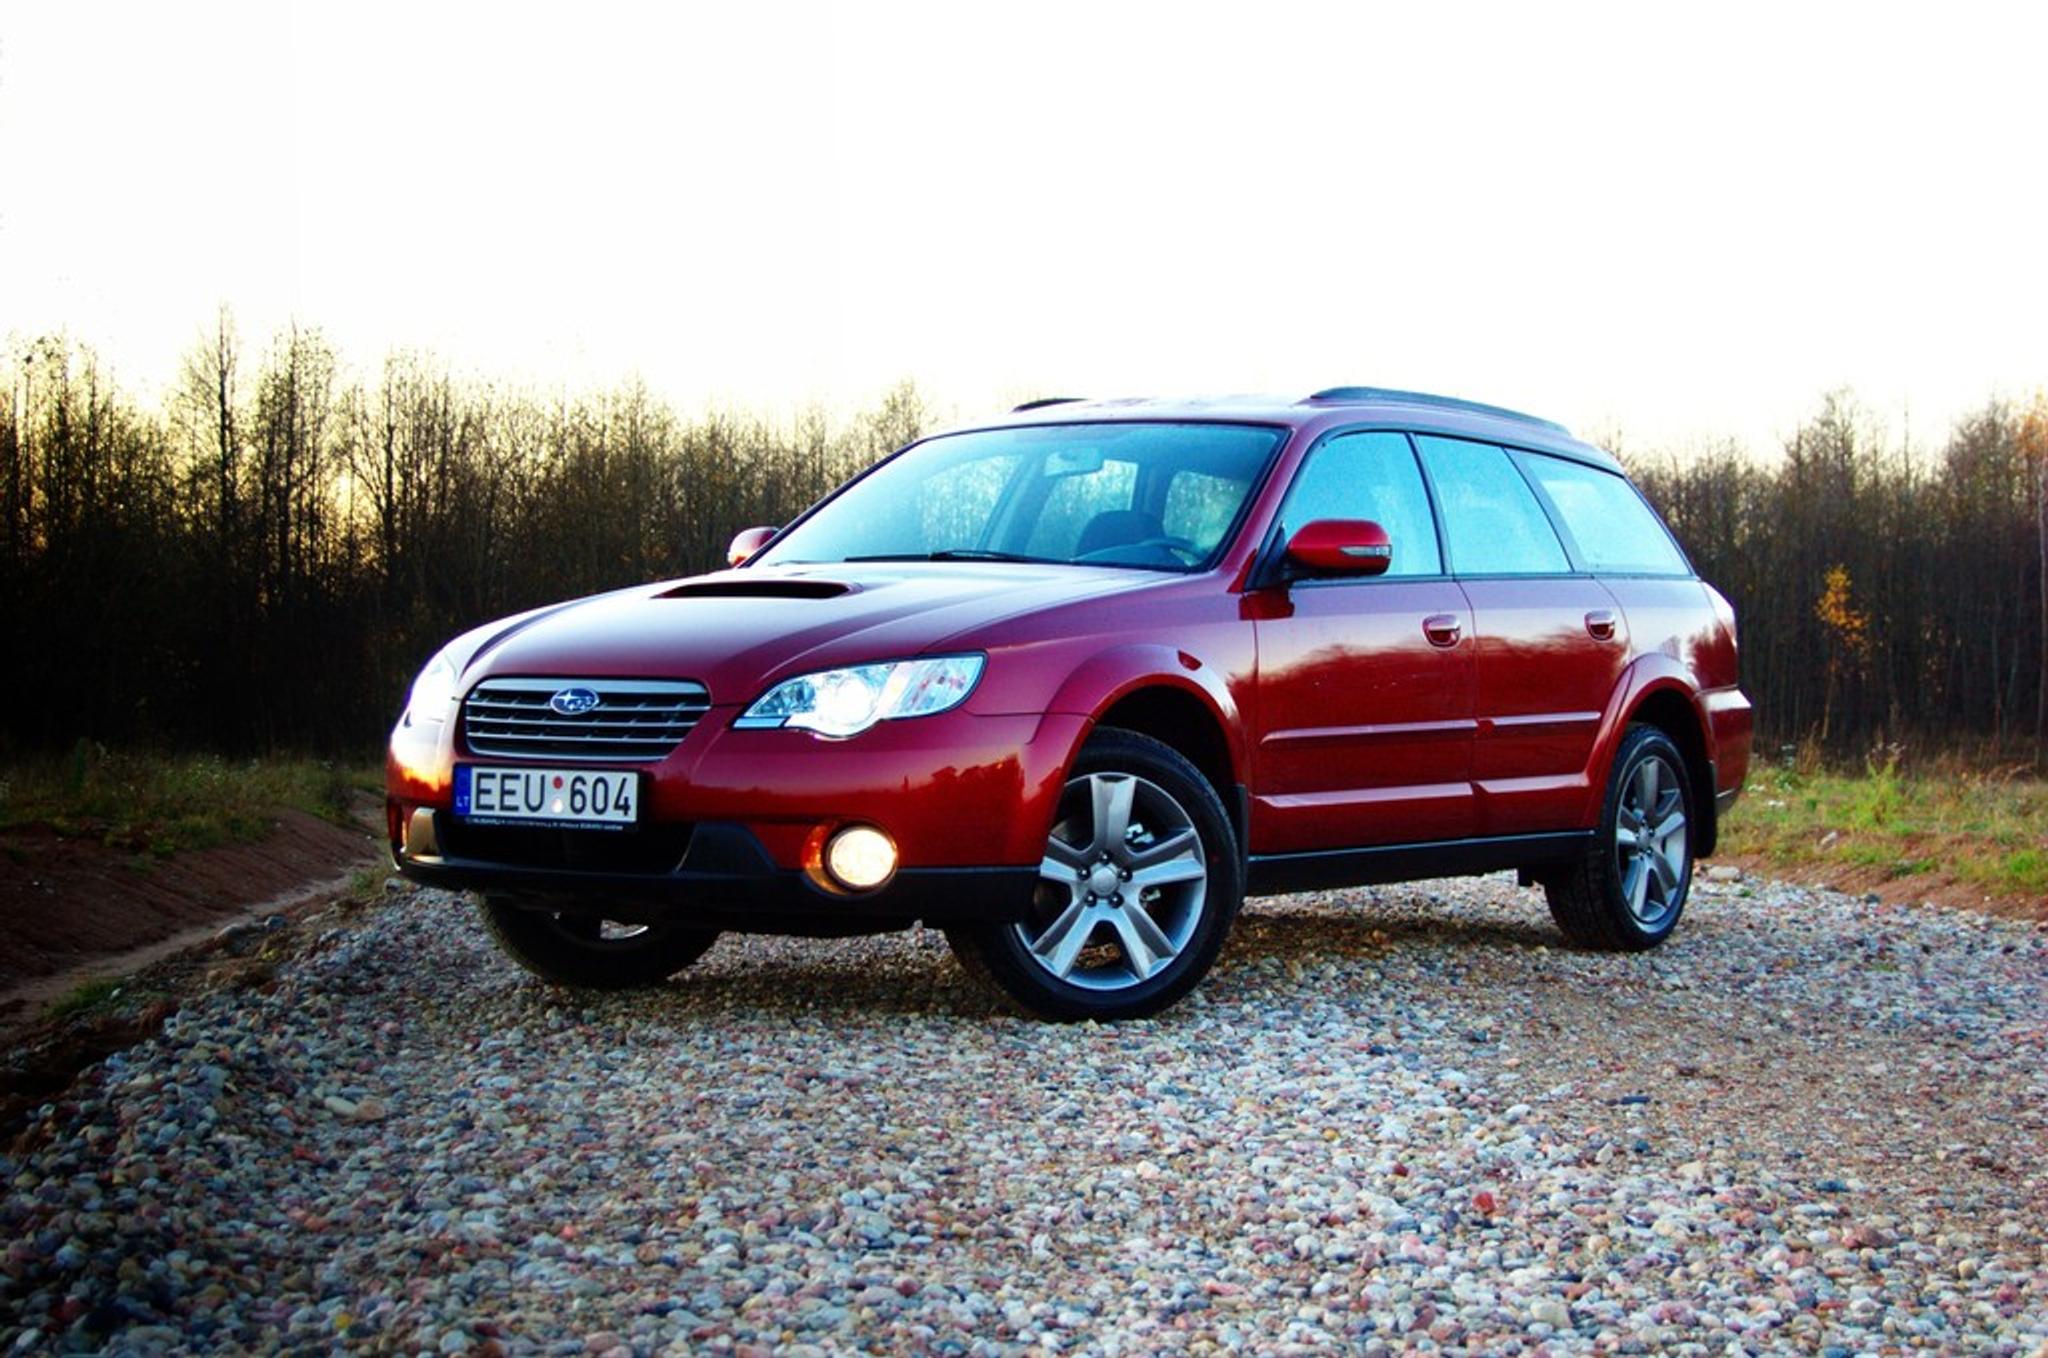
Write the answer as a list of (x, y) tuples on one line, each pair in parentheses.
[(849, 701), (433, 693)]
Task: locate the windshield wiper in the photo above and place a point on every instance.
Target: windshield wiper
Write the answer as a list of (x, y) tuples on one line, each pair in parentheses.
[(960, 554)]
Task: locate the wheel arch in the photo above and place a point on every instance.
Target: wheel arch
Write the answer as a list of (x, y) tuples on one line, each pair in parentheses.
[(1173, 716), (1172, 697), (1672, 709)]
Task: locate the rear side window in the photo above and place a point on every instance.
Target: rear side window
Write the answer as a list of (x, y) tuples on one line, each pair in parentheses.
[(1609, 523), (1368, 476), (1492, 520)]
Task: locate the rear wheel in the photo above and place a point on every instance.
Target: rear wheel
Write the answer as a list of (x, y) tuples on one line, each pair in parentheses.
[(1627, 893), (587, 950), (1138, 885)]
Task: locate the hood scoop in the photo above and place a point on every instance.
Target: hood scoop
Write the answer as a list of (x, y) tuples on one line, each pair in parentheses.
[(758, 589)]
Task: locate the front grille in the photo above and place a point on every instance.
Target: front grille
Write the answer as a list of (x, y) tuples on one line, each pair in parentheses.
[(634, 718), (650, 850)]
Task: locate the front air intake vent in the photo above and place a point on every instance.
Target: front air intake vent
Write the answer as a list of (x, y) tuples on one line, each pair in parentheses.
[(615, 719), (758, 589)]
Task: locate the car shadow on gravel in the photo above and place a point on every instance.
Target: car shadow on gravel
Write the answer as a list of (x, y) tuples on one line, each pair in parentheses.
[(746, 974), (749, 974), (1375, 926)]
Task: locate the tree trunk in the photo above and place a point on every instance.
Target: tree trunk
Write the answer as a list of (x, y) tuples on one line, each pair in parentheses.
[(2041, 538)]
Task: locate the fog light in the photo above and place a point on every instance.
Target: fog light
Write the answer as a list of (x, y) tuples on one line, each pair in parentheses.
[(860, 858), (420, 839)]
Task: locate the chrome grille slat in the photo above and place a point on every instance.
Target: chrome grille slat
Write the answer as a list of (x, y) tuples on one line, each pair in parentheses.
[(616, 704), (574, 724), (637, 719), (586, 740)]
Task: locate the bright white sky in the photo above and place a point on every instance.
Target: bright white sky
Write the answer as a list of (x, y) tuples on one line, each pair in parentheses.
[(1675, 221)]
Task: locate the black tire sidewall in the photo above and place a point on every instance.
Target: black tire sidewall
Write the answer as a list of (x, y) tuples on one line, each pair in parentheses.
[(529, 937), (1008, 961)]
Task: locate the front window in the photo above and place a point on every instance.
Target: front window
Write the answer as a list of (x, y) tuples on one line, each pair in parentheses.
[(1153, 496), (1368, 476)]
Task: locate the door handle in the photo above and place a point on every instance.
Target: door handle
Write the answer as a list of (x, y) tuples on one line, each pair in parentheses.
[(1443, 629), (1600, 624)]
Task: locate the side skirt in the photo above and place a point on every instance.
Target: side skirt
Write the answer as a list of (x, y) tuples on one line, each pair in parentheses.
[(1274, 874)]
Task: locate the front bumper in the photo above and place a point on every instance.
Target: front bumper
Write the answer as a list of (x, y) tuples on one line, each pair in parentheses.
[(726, 880), (734, 818)]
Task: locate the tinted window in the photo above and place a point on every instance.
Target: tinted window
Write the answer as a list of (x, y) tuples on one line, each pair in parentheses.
[(1368, 476), (1492, 520), (1613, 528)]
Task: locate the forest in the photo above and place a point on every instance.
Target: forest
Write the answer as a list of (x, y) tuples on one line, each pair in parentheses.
[(260, 561)]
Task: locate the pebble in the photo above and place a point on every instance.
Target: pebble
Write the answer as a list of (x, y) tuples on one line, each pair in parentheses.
[(1393, 1118)]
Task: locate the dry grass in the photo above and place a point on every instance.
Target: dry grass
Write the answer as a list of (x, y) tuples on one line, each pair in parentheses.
[(1986, 829), (161, 804)]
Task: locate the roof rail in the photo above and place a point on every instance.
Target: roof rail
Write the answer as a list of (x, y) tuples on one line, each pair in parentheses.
[(1423, 398), (1044, 401)]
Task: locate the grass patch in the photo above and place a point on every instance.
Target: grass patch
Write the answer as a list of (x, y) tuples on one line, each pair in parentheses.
[(2025, 871), (83, 996), (1988, 829), (158, 805), (367, 884)]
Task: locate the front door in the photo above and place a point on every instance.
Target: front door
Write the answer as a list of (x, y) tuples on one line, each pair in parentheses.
[(1365, 685)]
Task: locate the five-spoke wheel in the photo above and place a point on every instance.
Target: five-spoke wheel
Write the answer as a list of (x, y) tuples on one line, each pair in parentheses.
[(1650, 840), (1126, 874), (1138, 884), (1627, 891)]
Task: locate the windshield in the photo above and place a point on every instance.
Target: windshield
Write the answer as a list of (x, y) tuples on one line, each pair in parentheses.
[(1153, 496)]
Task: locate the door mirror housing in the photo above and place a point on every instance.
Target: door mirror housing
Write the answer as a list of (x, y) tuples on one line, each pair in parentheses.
[(747, 542), (1341, 547)]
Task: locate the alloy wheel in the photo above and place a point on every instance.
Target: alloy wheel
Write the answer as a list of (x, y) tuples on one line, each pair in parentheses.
[(1121, 887), (1652, 846)]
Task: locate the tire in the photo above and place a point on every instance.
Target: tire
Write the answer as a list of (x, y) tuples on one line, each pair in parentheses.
[(1628, 891), (1133, 809), (591, 953)]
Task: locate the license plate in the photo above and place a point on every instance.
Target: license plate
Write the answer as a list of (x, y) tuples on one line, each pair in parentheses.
[(583, 799)]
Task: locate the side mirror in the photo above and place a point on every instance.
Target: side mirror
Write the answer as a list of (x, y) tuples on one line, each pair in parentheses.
[(748, 542), (1342, 547)]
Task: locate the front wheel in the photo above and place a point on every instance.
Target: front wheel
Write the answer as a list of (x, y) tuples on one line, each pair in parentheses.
[(578, 949), (1136, 891), (1627, 893)]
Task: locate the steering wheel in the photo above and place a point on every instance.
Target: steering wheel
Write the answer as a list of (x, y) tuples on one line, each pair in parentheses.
[(1191, 554)]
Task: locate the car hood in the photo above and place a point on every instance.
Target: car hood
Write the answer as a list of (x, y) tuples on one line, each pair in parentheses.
[(738, 631)]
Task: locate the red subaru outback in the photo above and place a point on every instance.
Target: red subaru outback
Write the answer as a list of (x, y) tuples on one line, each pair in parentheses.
[(1071, 685)]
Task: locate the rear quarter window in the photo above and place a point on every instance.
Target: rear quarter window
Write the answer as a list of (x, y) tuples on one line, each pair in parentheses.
[(1613, 529)]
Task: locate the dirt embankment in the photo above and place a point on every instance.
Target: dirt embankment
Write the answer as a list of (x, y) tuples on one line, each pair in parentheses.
[(72, 903), (1938, 886)]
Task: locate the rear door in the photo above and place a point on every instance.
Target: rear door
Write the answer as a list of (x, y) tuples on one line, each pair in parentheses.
[(1364, 712), (1552, 640)]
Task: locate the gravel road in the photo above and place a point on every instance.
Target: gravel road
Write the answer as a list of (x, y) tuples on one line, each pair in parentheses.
[(1402, 1118)]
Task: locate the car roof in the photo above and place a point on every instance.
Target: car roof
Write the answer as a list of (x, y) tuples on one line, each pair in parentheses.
[(1331, 408)]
